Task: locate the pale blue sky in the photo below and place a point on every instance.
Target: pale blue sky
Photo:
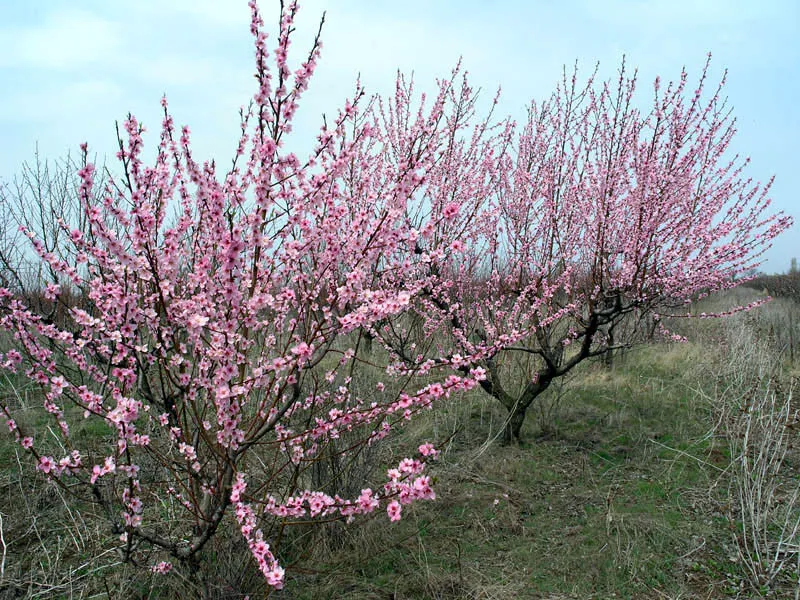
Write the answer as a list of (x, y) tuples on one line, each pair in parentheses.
[(69, 68)]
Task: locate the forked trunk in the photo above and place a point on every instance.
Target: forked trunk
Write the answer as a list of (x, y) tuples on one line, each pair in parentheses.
[(517, 406)]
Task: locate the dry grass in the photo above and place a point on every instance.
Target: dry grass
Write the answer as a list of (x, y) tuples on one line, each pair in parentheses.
[(621, 491)]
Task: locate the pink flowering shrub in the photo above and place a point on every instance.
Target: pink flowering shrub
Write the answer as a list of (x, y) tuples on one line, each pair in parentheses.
[(603, 219), (216, 335)]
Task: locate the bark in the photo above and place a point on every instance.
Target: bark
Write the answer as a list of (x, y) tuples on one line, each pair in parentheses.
[(554, 366), (608, 359), (518, 409), (516, 418)]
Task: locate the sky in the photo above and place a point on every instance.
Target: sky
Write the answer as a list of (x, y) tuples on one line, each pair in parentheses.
[(70, 68)]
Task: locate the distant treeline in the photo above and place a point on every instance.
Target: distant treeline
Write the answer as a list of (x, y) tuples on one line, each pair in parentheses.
[(785, 285)]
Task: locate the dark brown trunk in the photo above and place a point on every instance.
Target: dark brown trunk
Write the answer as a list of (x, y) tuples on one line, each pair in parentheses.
[(367, 339), (516, 418), (608, 358)]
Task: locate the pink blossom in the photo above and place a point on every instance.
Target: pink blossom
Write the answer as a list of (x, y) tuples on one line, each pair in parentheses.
[(46, 464), (57, 385), (197, 321), (275, 577), (394, 511), (162, 568), (303, 352), (51, 291), (427, 449), (450, 211), (366, 501)]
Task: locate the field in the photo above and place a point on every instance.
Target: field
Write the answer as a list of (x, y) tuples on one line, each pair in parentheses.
[(628, 485)]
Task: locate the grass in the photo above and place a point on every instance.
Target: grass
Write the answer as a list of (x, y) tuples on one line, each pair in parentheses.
[(619, 491), (618, 503)]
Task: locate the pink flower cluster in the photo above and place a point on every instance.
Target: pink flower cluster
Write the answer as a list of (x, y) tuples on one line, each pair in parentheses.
[(405, 484), (48, 465), (259, 548)]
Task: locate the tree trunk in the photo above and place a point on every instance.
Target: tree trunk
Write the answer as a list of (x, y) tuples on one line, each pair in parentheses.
[(608, 358), (367, 339), (516, 417), (516, 406)]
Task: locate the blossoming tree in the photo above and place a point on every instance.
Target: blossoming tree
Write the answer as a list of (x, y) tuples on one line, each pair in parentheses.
[(606, 217), (215, 337)]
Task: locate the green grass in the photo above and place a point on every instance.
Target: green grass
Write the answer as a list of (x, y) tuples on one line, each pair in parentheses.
[(615, 504), (618, 491)]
